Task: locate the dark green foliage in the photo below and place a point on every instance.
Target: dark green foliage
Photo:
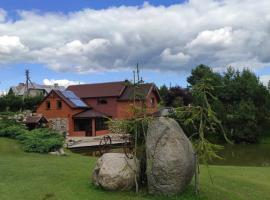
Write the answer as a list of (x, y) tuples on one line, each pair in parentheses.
[(31, 103), (164, 92), (13, 131), (41, 141), (37, 140), (202, 72), (4, 123), (14, 103), (175, 96), (201, 120), (7, 114), (11, 103), (242, 103)]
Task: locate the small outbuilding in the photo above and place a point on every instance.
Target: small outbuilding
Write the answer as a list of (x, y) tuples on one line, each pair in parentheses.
[(38, 121)]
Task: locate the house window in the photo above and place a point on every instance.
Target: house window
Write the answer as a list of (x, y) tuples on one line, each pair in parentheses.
[(82, 125), (48, 105), (152, 102), (59, 104), (101, 124), (102, 101)]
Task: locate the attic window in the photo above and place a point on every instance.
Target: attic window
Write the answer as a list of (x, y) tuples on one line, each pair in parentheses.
[(102, 101), (59, 104), (48, 105)]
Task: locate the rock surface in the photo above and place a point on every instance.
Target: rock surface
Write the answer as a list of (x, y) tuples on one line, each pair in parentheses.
[(59, 152), (170, 157), (114, 171)]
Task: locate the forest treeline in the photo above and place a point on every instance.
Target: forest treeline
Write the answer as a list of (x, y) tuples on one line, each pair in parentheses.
[(241, 101)]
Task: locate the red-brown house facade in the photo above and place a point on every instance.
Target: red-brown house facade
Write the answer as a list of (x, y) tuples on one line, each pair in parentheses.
[(82, 110)]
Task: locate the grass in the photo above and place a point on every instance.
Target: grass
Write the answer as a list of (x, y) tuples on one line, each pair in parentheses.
[(33, 176)]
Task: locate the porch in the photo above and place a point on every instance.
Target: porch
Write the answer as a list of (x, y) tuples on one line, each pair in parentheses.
[(90, 123)]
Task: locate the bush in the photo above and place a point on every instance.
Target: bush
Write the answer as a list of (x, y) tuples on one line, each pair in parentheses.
[(11, 129), (37, 140), (4, 123), (41, 140)]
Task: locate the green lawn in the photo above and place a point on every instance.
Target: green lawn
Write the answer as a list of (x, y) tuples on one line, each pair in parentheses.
[(45, 177)]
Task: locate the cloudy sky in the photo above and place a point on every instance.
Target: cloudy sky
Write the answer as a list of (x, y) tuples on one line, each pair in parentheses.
[(80, 41)]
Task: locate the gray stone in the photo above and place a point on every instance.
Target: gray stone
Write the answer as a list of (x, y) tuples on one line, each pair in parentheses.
[(170, 157), (59, 124), (59, 152), (114, 171)]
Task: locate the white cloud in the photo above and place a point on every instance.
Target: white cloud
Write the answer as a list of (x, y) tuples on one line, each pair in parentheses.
[(178, 37), (9, 44), (62, 82), (177, 58), (220, 38), (11, 49)]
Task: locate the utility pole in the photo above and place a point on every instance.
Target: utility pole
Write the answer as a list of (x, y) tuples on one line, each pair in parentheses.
[(138, 73), (28, 81)]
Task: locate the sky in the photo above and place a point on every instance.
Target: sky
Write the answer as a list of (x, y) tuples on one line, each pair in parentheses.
[(88, 41)]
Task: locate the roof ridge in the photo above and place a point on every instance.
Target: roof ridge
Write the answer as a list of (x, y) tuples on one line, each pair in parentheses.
[(101, 83)]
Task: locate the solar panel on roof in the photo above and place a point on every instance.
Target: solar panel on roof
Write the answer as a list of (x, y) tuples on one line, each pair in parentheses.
[(78, 102), (73, 98), (69, 95)]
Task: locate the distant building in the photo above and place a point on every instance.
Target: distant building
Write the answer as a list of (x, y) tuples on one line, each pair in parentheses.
[(82, 110), (33, 89)]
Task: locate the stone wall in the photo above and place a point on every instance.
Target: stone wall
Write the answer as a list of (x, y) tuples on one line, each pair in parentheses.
[(59, 124)]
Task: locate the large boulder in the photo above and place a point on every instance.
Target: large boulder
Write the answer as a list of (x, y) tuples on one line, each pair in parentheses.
[(170, 157), (115, 171)]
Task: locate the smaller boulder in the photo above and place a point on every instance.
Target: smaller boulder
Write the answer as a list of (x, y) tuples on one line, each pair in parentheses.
[(115, 171)]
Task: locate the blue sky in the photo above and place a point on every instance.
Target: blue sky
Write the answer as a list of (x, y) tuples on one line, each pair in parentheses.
[(75, 5), (102, 40)]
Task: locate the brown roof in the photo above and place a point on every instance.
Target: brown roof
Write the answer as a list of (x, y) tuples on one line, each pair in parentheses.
[(89, 114), (123, 90), (110, 89), (35, 119), (140, 91)]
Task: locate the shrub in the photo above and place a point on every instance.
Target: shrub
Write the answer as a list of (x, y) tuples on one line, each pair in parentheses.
[(41, 140), (11, 129), (37, 140), (7, 114), (4, 123)]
